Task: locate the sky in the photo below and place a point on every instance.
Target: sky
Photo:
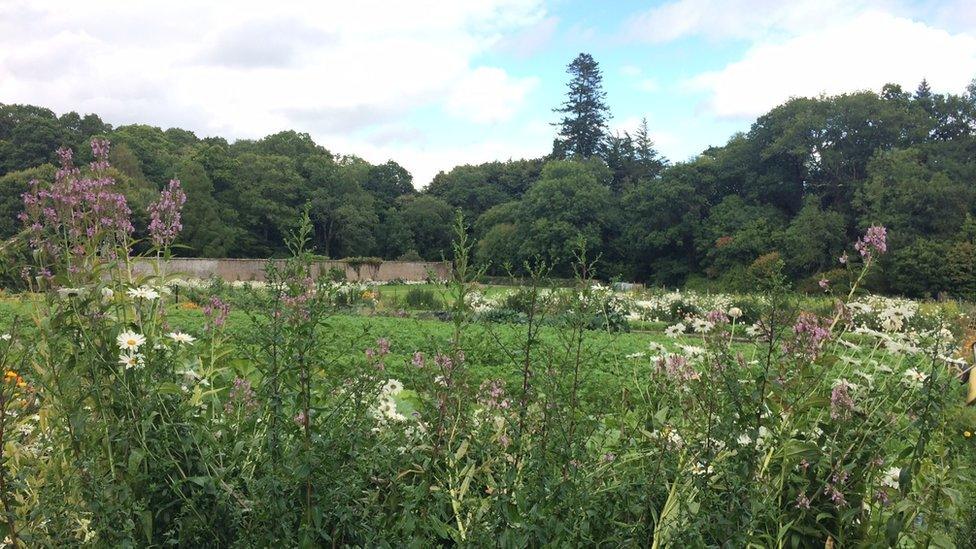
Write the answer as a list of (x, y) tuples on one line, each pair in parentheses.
[(433, 84)]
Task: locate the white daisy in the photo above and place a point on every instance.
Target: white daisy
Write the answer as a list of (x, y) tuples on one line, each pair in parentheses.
[(180, 337), (5, 337), (143, 292), (130, 341), (890, 478), (702, 326), (131, 361), (676, 330)]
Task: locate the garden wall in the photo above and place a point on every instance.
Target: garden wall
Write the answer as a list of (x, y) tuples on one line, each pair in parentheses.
[(253, 269)]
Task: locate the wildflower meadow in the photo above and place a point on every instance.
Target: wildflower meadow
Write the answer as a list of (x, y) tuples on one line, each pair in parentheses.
[(304, 410)]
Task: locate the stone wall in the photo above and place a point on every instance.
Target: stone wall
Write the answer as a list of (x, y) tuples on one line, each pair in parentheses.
[(253, 269)]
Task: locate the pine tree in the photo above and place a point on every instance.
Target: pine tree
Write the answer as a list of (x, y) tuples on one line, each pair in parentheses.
[(649, 163), (583, 128), (923, 96), (924, 92)]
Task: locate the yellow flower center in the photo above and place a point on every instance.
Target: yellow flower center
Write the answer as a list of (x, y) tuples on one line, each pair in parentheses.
[(131, 342), (967, 434)]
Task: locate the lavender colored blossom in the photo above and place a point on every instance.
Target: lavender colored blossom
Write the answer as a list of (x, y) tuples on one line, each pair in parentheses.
[(164, 215), (824, 284), (802, 502), (383, 345), (493, 395), (216, 312), (881, 496), (241, 394), (76, 213), (875, 240), (810, 332), (717, 317), (677, 367), (418, 360), (841, 403), (835, 495)]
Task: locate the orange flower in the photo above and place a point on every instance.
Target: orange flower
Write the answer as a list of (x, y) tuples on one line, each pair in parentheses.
[(14, 378)]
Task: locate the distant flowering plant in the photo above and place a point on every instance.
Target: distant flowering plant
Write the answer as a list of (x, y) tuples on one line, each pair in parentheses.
[(164, 214), (875, 240), (216, 312), (80, 215)]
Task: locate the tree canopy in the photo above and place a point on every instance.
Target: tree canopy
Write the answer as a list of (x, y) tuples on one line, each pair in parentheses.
[(807, 177)]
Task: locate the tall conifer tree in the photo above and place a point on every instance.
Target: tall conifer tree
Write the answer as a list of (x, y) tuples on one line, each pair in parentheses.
[(583, 129)]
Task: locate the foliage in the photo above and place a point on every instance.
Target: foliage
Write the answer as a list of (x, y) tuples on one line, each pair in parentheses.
[(297, 427), (807, 176)]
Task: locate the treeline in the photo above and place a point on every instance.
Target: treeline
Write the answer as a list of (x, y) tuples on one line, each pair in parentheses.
[(784, 197), (242, 197), (781, 200)]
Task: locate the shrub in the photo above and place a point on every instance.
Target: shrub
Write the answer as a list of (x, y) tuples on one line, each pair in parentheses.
[(422, 298)]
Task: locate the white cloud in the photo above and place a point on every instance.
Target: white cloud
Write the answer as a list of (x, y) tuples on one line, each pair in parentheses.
[(488, 95), (648, 85), (530, 139), (630, 70), (248, 68), (530, 40), (740, 19), (862, 52)]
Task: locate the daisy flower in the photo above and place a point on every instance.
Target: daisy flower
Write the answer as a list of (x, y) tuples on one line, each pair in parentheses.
[(130, 361), (130, 341), (676, 330), (180, 337), (143, 292)]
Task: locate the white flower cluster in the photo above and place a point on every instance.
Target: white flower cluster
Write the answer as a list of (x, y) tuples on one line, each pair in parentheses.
[(480, 303), (129, 343), (883, 313), (385, 411), (658, 307)]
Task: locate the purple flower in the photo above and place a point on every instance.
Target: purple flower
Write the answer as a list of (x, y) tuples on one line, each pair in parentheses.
[(881, 496), (841, 403), (836, 495), (802, 502), (493, 394), (444, 362), (241, 394), (216, 312), (418, 359), (717, 317), (810, 333), (874, 240), (76, 213), (677, 367), (824, 284), (384, 346), (164, 214)]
